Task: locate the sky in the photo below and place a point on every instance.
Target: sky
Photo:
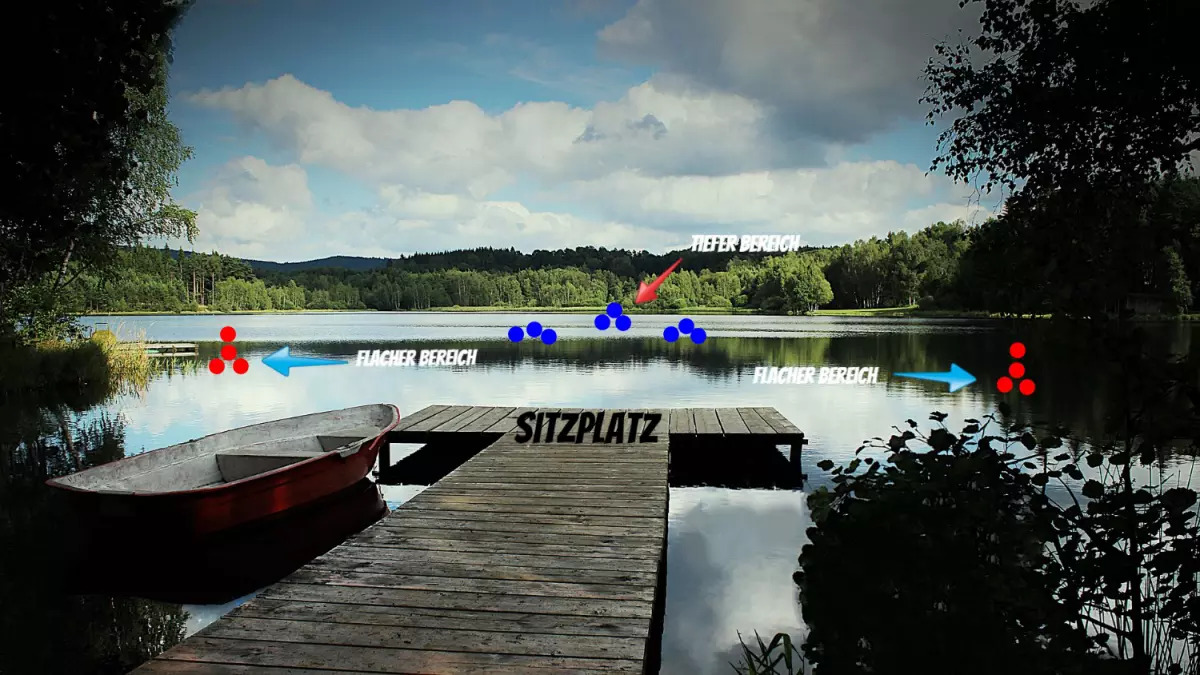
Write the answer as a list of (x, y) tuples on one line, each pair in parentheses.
[(396, 127)]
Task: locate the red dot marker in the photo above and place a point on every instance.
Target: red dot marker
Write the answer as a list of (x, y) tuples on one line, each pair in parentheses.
[(241, 366), (1004, 384), (216, 366), (229, 352), (1016, 371), (1027, 387), (228, 334), (1016, 350)]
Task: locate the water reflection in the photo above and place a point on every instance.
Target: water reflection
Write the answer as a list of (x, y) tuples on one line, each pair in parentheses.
[(43, 629), (219, 569), (1072, 390), (730, 558), (730, 554)]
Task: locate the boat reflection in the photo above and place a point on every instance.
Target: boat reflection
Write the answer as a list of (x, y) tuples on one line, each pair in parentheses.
[(219, 568)]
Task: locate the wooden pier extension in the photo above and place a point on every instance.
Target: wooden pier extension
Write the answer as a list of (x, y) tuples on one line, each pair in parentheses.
[(169, 348), (528, 558)]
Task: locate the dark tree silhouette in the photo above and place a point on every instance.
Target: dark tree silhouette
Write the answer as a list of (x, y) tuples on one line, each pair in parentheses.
[(87, 154)]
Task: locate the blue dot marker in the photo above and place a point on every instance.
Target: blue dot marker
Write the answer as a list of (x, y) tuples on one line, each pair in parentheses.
[(624, 322), (614, 309), (534, 329), (686, 326), (602, 321), (549, 336), (516, 334), (699, 336), (670, 333)]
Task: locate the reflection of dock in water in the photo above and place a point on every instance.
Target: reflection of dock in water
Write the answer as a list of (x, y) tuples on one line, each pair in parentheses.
[(521, 557)]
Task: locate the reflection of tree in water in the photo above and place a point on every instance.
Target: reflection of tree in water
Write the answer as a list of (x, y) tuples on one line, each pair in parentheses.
[(1072, 384), (42, 628)]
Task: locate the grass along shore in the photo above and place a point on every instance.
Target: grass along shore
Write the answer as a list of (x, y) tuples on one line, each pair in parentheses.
[(100, 365)]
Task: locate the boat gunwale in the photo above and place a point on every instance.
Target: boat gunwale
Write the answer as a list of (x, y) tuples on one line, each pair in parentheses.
[(58, 483)]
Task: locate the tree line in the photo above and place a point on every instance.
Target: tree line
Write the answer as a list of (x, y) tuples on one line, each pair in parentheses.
[(946, 266)]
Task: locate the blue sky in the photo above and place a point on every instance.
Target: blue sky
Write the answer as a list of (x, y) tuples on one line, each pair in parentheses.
[(385, 128)]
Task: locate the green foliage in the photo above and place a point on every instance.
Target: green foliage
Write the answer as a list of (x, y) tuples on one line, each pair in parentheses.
[(780, 657), (90, 155), (1058, 95), (1086, 116), (967, 553), (1175, 279), (933, 557)]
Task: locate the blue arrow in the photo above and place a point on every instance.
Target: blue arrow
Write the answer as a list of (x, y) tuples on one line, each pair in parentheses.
[(956, 377), (282, 361)]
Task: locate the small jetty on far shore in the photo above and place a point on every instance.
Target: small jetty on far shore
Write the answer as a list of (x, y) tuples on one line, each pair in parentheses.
[(171, 348)]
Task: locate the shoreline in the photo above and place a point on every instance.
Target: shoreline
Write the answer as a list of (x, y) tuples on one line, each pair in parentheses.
[(878, 313), (888, 312)]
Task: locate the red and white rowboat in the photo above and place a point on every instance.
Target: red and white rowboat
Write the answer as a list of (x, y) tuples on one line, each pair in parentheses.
[(232, 478)]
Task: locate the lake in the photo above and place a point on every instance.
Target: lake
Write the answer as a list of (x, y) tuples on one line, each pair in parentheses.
[(731, 553)]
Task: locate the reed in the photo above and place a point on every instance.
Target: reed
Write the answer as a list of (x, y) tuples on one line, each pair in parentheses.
[(779, 657), (127, 363), (99, 366)]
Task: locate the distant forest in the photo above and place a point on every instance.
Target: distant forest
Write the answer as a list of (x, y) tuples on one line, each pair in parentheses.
[(950, 266)]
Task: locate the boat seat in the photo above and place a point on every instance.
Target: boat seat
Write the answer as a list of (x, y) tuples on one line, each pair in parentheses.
[(239, 463)]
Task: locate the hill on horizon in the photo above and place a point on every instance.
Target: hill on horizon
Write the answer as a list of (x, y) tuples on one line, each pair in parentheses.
[(349, 262), (622, 262)]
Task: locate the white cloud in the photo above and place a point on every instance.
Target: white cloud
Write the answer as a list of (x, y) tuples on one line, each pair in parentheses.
[(827, 69), (743, 129), (648, 169), (250, 205)]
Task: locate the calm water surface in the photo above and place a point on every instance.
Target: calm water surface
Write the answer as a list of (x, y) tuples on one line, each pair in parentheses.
[(731, 553)]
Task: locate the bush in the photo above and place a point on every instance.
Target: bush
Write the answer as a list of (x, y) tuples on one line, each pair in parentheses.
[(954, 558), (927, 303), (933, 560)]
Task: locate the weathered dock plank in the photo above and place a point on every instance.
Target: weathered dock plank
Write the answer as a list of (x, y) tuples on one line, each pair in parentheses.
[(682, 422), (513, 562), (778, 422), (489, 417), (731, 422), (439, 418), (754, 421), (425, 413), (706, 421), (508, 423)]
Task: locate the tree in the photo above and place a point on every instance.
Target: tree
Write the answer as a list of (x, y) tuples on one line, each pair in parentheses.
[(1054, 96), (1175, 279), (89, 154), (1077, 113)]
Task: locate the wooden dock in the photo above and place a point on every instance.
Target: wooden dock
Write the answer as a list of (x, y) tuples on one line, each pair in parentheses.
[(685, 427), (171, 348), (529, 557)]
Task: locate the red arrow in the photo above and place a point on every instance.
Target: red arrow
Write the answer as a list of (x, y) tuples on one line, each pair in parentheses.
[(649, 291)]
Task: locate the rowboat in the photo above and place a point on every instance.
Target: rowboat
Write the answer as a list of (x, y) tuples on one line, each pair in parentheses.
[(233, 478)]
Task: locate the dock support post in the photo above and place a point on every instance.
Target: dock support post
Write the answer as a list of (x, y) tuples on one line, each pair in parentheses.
[(796, 451), (385, 456)]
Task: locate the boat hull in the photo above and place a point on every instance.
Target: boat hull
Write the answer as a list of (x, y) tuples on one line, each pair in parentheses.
[(217, 569), (192, 514)]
